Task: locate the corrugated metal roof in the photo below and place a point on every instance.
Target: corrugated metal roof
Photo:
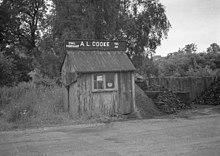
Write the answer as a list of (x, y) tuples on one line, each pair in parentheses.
[(99, 61)]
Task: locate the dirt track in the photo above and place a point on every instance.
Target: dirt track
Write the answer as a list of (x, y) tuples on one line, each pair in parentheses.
[(194, 133)]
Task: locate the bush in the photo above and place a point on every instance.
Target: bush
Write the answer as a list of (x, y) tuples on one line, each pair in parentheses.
[(169, 103), (200, 72), (211, 96)]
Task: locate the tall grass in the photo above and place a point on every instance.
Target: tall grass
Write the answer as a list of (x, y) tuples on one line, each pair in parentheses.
[(27, 106)]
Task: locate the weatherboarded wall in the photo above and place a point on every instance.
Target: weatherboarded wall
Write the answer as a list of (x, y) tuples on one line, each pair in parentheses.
[(84, 101), (193, 85)]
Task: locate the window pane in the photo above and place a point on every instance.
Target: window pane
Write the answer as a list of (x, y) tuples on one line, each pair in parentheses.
[(98, 81), (95, 85), (100, 85), (110, 80)]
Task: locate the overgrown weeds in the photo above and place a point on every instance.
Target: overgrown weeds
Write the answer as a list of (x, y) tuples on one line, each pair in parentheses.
[(26, 106)]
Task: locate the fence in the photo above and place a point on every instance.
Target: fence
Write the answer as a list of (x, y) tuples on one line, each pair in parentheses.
[(192, 85)]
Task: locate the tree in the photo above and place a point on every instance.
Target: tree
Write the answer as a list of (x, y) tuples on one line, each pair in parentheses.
[(21, 21), (213, 48), (145, 29), (51, 58), (31, 15), (113, 19), (186, 62), (8, 25), (213, 55), (142, 23), (85, 19), (6, 68), (190, 48)]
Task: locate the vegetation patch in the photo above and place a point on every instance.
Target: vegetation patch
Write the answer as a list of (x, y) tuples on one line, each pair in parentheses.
[(169, 103), (166, 100), (210, 96), (26, 106)]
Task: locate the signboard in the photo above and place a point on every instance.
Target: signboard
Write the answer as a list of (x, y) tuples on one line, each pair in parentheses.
[(95, 45), (99, 78)]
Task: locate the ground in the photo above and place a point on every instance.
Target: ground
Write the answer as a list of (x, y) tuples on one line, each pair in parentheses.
[(189, 133)]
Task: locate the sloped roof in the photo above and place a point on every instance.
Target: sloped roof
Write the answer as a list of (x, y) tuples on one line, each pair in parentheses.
[(99, 61)]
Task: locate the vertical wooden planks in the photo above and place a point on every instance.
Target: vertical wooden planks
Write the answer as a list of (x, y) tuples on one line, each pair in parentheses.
[(125, 92), (194, 85), (73, 100), (65, 98), (84, 101), (133, 92)]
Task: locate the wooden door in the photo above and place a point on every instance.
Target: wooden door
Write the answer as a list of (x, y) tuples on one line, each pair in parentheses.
[(125, 92)]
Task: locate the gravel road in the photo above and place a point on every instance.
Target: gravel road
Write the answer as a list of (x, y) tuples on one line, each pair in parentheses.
[(193, 133)]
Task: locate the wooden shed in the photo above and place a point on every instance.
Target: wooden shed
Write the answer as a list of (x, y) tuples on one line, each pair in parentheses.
[(98, 78)]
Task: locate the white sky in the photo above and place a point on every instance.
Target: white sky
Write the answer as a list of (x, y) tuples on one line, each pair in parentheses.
[(193, 21)]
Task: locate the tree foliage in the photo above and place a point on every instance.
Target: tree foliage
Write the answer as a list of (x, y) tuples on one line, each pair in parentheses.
[(32, 33), (85, 19), (213, 48), (22, 23), (50, 60), (145, 29), (142, 23), (102, 19), (186, 62), (9, 25), (19, 35), (6, 67)]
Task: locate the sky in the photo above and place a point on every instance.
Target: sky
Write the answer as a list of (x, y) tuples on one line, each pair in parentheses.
[(193, 21)]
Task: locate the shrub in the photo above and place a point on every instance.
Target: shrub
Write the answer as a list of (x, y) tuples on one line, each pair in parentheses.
[(169, 103), (200, 72)]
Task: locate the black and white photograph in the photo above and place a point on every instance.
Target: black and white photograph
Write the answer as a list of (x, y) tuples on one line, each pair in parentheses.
[(109, 77)]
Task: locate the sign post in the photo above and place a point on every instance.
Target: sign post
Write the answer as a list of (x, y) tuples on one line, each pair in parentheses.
[(95, 45)]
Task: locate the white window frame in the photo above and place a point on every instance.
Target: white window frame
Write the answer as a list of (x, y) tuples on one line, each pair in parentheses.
[(104, 81)]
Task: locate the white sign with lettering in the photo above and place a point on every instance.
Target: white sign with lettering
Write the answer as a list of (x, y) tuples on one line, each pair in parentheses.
[(95, 45)]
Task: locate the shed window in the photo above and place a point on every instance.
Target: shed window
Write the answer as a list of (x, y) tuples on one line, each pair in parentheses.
[(98, 81), (106, 81), (109, 80)]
